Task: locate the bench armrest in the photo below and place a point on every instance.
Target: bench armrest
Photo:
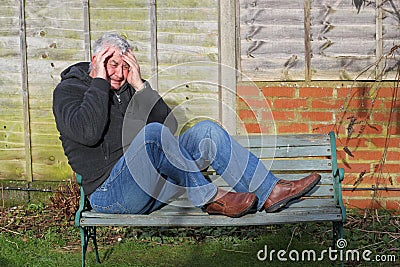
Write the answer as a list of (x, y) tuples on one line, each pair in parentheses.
[(338, 176), (83, 202)]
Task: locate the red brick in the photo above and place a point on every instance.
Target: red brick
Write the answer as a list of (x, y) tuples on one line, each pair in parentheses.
[(393, 205), (278, 91), (361, 104), (353, 143), (381, 117), (279, 115), (393, 155), (247, 115), (317, 116), (292, 128), (389, 168), (253, 103), (253, 128), (340, 154), (289, 103), (343, 92), (367, 155), (388, 104), (388, 194), (363, 203), (357, 167), (246, 91), (355, 193), (316, 92), (326, 104), (322, 128), (380, 142), (387, 92), (396, 180), (354, 92), (367, 129), (394, 129)]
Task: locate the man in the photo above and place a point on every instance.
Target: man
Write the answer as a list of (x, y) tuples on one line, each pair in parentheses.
[(118, 134)]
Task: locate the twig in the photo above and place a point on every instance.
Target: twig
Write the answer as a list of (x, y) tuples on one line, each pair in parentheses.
[(12, 243), (291, 238), (232, 250), (380, 232), (11, 231), (379, 243)]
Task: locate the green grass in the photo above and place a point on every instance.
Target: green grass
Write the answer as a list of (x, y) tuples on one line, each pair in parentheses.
[(25, 243)]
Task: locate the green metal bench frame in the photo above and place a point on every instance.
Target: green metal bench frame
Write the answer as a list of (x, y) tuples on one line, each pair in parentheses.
[(288, 156)]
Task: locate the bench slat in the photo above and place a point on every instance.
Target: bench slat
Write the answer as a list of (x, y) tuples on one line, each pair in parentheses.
[(283, 140), (326, 178), (261, 218), (327, 201), (299, 165), (292, 152)]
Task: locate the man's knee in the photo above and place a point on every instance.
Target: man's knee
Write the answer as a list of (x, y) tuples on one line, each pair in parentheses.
[(207, 126), (155, 131)]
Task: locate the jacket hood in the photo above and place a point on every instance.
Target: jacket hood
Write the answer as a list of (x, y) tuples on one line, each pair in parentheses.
[(79, 71)]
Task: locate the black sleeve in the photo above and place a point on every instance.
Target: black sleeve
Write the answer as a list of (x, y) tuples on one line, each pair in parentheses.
[(81, 113)]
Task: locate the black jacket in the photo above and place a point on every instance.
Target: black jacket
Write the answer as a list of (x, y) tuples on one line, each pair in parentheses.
[(90, 117)]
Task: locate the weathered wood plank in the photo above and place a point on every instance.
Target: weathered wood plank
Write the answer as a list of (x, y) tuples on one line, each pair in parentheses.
[(257, 141), (298, 165), (291, 152), (294, 216), (119, 3), (275, 4), (326, 177), (185, 207), (13, 169)]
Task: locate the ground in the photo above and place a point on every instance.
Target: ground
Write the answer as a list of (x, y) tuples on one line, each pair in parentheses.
[(44, 235)]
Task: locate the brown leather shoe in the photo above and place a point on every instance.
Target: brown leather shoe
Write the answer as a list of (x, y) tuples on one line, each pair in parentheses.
[(233, 204), (284, 191)]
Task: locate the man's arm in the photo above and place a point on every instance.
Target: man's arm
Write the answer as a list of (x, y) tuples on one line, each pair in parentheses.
[(82, 115)]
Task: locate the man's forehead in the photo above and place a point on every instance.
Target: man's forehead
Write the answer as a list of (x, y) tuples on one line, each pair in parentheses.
[(116, 58)]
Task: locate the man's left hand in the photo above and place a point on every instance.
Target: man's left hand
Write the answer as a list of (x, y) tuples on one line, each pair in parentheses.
[(134, 77)]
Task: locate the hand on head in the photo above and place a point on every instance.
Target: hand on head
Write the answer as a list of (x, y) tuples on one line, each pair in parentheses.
[(100, 61), (134, 76)]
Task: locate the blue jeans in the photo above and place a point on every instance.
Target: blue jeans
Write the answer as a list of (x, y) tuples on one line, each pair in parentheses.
[(158, 166)]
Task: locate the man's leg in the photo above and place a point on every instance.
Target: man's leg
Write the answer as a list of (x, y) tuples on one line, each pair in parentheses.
[(208, 143)]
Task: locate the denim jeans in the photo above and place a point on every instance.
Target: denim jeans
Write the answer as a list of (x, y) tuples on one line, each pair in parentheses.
[(158, 166)]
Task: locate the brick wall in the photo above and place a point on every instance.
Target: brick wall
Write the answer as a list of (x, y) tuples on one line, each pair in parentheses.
[(360, 117)]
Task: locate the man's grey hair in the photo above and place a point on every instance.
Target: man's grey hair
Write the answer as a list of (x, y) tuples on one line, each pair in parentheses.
[(110, 39)]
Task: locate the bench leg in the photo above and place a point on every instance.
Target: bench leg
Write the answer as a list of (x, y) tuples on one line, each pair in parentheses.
[(338, 233), (95, 243), (88, 232)]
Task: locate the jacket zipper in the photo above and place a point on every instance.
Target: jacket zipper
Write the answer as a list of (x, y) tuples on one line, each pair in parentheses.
[(118, 98)]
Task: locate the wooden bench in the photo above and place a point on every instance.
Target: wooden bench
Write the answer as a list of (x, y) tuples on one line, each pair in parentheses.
[(288, 156)]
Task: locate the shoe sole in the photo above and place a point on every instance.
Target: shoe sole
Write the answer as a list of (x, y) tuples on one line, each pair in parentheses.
[(284, 202)]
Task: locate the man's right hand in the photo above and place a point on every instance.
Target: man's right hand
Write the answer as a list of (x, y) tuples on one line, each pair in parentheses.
[(100, 61)]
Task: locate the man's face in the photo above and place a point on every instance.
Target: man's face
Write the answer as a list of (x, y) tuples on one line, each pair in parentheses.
[(117, 70)]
